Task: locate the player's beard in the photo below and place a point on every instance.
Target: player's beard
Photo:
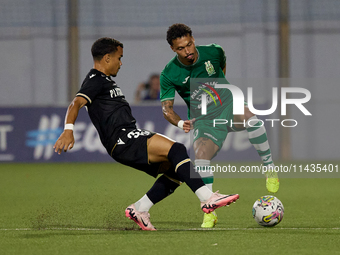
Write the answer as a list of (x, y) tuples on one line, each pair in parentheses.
[(193, 59), (190, 59)]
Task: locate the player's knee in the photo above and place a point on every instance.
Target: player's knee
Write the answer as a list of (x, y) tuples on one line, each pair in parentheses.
[(202, 154), (179, 150), (205, 148)]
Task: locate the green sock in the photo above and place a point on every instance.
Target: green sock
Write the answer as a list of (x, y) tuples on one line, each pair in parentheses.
[(203, 168), (258, 138)]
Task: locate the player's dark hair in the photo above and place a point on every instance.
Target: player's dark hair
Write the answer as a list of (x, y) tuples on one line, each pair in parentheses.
[(104, 46), (177, 30)]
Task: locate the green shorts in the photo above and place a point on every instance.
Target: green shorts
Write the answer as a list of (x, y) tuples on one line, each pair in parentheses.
[(204, 127)]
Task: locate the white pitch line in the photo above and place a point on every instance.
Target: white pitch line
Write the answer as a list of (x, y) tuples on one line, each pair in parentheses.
[(185, 229), (68, 229), (263, 228)]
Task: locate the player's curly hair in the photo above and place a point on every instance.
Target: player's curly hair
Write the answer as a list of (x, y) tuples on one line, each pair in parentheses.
[(177, 30), (103, 46)]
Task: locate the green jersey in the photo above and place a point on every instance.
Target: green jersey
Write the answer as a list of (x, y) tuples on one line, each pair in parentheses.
[(191, 81)]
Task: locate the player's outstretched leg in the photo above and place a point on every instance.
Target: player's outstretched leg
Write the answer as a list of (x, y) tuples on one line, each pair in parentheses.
[(209, 201), (258, 138), (183, 169), (138, 212)]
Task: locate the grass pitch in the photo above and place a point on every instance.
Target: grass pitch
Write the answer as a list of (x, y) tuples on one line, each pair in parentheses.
[(79, 209)]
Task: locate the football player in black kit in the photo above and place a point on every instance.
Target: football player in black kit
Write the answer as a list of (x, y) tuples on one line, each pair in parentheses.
[(141, 149)]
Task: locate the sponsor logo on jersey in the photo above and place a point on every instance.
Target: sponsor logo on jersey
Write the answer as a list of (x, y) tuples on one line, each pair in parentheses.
[(209, 67), (92, 75), (116, 92), (209, 93), (186, 79)]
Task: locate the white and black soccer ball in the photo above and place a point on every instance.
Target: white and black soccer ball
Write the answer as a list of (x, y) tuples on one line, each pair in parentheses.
[(268, 211)]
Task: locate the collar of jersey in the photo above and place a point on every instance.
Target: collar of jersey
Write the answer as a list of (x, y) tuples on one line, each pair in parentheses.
[(198, 57), (102, 74)]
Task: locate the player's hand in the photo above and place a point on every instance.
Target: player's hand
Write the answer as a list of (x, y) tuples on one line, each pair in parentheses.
[(65, 142), (188, 125)]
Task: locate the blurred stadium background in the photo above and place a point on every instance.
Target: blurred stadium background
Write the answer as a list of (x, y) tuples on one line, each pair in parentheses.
[(38, 58)]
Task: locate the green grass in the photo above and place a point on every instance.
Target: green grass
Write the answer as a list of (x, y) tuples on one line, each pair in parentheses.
[(79, 209)]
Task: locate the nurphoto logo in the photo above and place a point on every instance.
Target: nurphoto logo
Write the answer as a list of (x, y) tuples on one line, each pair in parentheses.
[(238, 103)]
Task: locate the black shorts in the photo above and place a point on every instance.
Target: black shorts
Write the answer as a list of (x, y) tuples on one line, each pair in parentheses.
[(131, 150)]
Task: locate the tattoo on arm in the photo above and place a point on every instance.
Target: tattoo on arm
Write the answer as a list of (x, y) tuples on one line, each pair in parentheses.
[(169, 113)]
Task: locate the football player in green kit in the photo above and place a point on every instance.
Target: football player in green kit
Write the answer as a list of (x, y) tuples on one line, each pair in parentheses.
[(207, 62)]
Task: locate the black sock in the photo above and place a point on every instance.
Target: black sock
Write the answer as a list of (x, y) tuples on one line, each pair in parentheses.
[(184, 169), (162, 188)]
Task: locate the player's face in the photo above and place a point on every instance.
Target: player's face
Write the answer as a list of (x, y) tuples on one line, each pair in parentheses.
[(185, 49), (115, 61)]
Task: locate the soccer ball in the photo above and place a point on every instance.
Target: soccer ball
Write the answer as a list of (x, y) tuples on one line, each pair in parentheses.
[(268, 211)]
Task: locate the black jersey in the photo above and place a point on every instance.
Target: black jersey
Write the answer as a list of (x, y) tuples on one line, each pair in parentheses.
[(106, 106)]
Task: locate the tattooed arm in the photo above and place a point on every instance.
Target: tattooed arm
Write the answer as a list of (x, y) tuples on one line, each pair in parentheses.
[(171, 116), (168, 112)]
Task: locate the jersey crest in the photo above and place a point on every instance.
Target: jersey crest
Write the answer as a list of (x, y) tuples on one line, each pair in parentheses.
[(209, 67)]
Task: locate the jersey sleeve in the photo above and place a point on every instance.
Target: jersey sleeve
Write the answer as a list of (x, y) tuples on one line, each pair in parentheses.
[(167, 88), (89, 90)]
